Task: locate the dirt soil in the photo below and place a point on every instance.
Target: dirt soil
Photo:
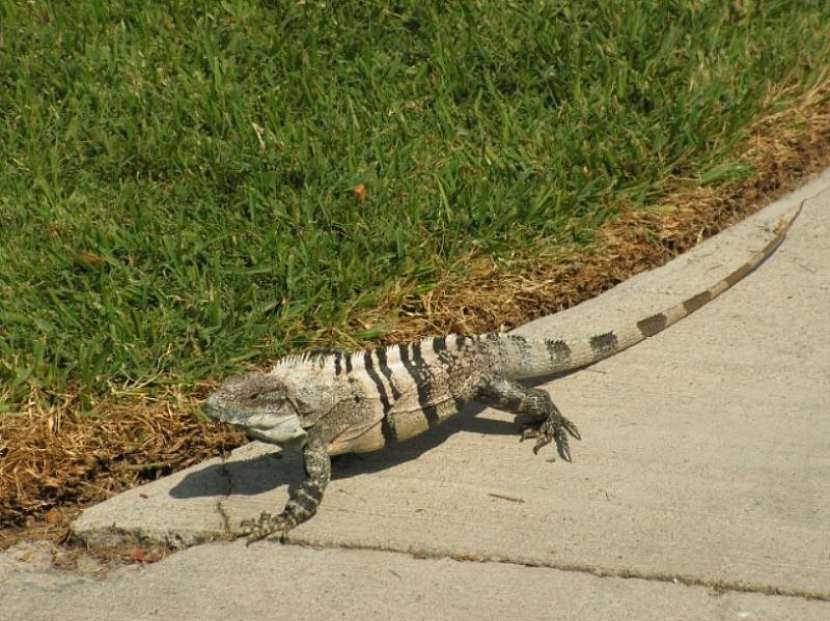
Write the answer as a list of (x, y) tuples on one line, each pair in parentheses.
[(55, 461)]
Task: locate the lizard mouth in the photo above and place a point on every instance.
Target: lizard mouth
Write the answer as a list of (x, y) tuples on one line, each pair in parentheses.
[(213, 408), (285, 431)]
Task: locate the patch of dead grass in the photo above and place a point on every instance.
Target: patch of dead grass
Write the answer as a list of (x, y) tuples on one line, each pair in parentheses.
[(53, 461)]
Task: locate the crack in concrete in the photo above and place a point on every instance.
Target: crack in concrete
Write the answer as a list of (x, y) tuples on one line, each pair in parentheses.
[(718, 586), (220, 508)]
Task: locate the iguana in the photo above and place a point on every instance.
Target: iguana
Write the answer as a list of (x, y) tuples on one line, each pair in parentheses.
[(333, 402)]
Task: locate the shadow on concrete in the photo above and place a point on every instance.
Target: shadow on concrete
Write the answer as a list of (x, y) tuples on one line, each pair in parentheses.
[(266, 472), (345, 466), (246, 477)]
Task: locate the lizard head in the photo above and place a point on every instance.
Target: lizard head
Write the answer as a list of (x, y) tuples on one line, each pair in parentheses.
[(262, 404)]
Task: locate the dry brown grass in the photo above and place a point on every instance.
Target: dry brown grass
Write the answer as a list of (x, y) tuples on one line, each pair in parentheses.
[(783, 149), (53, 461)]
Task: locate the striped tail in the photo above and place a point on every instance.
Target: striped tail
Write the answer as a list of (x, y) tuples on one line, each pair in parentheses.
[(524, 358)]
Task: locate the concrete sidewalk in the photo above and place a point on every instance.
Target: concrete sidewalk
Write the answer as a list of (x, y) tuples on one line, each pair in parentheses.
[(701, 488)]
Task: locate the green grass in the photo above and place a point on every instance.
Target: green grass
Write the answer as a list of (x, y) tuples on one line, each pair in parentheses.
[(175, 177)]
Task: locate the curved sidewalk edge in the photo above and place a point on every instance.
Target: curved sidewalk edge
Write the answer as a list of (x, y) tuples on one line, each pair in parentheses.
[(705, 462)]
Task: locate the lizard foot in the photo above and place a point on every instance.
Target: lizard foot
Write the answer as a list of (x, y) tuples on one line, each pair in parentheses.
[(554, 428), (268, 526), (542, 418)]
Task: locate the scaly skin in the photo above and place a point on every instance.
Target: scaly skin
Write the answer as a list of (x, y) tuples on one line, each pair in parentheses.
[(337, 402)]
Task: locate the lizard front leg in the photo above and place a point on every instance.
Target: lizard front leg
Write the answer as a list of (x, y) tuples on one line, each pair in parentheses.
[(303, 499), (547, 423)]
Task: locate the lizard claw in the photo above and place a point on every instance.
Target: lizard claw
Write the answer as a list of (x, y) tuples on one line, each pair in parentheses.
[(554, 428), (268, 526)]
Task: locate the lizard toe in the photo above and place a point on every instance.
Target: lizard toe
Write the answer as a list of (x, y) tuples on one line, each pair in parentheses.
[(267, 526), (555, 428)]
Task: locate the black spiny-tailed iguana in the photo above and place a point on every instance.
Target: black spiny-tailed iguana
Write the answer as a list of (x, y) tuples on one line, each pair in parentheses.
[(334, 402)]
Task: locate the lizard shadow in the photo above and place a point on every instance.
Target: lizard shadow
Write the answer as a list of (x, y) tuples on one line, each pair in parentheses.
[(263, 472), (349, 465), (247, 477)]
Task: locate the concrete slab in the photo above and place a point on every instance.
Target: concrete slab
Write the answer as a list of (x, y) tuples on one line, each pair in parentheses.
[(229, 581), (706, 452)]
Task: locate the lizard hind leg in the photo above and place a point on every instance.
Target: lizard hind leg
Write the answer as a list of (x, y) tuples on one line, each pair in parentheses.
[(544, 420)]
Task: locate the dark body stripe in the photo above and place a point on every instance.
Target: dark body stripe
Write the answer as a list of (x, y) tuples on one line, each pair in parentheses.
[(739, 274), (420, 375), (558, 351), (386, 427), (604, 344), (695, 302), (308, 498), (373, 375), (390, 436), (387, 372), (445, 358), (652, 325)]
